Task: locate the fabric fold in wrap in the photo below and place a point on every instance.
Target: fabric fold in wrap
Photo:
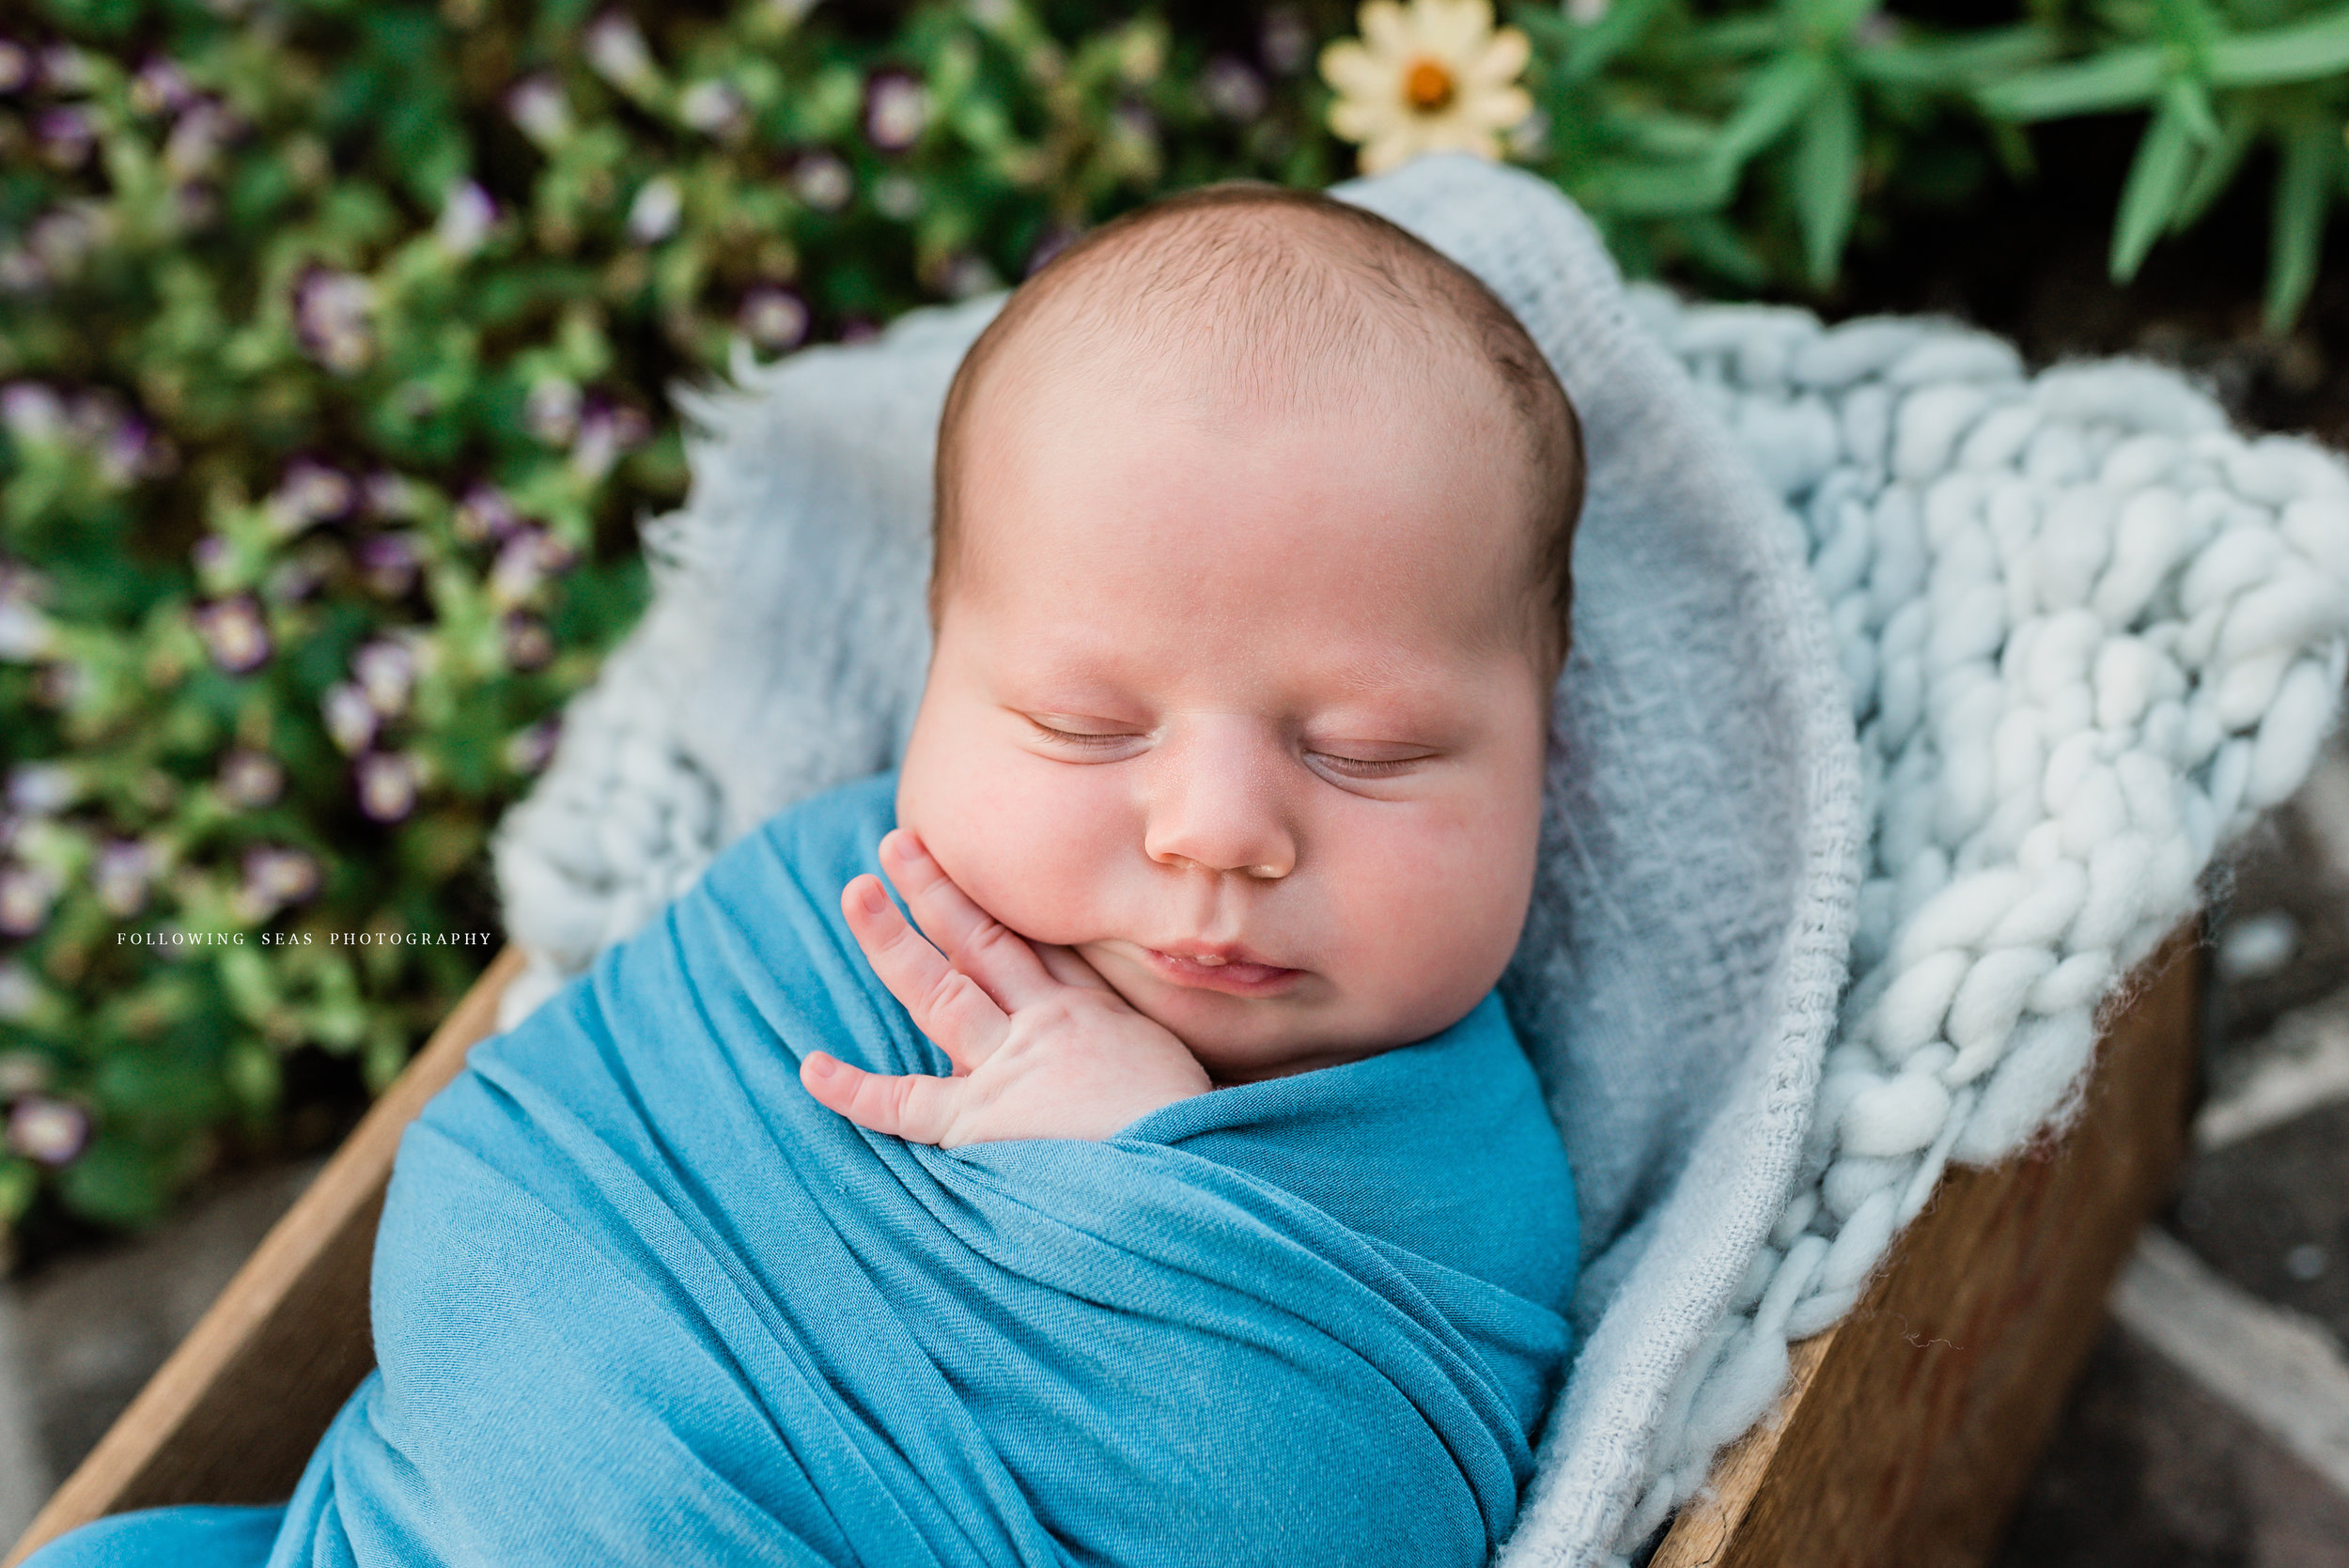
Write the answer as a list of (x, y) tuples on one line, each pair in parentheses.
[(638, 1298)]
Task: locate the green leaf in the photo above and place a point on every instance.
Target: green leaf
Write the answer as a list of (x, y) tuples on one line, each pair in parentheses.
[(2304, 186), (2301, 51), (1955, 63), (2112, 80), (1826, 177), (2192, 102), (1632, 190), (1594, 46), (2238, 127), (2157, 181), (2188, 28), (1776, 96)]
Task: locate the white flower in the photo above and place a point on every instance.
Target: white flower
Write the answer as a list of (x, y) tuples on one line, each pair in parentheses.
[(467, 215), (1434, 76), (652, 216), (713, 108), (538, 106), (618, 51)]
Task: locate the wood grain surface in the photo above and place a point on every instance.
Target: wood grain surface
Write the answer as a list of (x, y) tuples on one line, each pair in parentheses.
[(1909, 1429), (233, 1415)]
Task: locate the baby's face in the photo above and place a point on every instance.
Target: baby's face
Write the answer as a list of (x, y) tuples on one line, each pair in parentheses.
[(1246, 712)]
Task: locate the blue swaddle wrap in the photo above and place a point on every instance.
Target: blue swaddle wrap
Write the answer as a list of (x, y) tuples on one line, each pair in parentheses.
[(638, 1298)]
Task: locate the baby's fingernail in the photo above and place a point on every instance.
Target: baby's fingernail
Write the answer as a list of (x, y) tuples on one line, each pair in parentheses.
[(821, 1065), (871, 897), (907, 845)]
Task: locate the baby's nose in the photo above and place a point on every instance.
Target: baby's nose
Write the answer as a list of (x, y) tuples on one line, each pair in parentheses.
[(1216, 808)]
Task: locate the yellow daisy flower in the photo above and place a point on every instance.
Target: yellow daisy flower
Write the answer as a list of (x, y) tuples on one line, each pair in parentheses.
[(1432, 76)]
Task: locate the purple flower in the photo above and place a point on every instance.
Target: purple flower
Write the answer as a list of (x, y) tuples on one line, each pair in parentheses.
[(195, 206), (468, 213), (387, 565), (538, 107), (821, 180), (550, 411), (618, 52), (775, 316), (62, 684), (858, 329), (193, 148), (20, 1072), (250, 779), (896, 109), (331, 317), (529, 645), (31, 411), (65, 68), (520, 568), (652, 217), (961, 274), (1233, 89), (48, 1131), (607, 430), (26, 893), (387, 784), (276, 876), (310, 491), (214, 559), (385, 669), (119, 875), (350, 718), (43, 788), (21, 271), (132, 451), (531, 748), (160, 84), (714, 109), (298, 576), (66, 134), (16, 66), (484, 513), (1287, 42), (234, 633), (389, 495)]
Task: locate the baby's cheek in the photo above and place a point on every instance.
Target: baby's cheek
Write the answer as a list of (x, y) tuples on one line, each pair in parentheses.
[(1030, 841), (1433, 909)]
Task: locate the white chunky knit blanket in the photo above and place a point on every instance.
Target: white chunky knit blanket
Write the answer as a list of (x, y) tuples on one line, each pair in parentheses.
[(1911, 696)]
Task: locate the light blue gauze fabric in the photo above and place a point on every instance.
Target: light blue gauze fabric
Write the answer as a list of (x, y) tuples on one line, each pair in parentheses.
[(638, 1298)]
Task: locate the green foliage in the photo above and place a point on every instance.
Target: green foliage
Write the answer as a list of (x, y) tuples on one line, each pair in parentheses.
[(335, 342)]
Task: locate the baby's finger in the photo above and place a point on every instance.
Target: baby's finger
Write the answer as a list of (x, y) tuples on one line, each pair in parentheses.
[(947, 1006), (1067, 966), (910, 1106), (978, 944)]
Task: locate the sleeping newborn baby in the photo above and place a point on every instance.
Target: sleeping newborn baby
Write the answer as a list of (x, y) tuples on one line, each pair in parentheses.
[(1172, 1190), (1249, 595)]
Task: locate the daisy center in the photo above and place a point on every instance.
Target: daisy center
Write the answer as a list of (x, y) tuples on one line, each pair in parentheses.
[(1426, 86)]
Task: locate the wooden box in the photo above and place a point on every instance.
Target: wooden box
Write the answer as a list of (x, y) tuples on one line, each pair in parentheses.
[(1906, 1438)]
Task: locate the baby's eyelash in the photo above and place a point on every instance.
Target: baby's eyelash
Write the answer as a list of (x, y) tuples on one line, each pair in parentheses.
[(1364, 768), (1079, 739)]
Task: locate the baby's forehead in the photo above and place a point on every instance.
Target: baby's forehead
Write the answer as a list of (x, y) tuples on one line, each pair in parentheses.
[(1276, 303)]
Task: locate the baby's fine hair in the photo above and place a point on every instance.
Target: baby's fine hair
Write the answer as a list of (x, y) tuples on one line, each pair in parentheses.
[(1321, 283)]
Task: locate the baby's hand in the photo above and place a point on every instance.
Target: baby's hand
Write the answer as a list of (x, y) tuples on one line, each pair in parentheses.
[(1042, 1047)]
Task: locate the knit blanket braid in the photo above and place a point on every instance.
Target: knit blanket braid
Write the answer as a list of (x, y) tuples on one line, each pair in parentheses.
[(2090, 634)]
